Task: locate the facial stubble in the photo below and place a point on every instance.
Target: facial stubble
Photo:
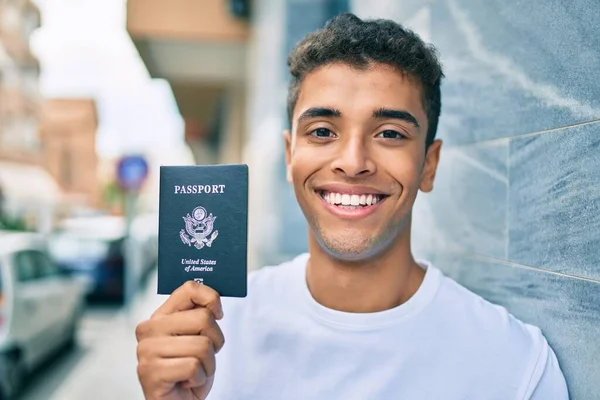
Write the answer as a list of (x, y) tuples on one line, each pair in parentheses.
[(350, 246)]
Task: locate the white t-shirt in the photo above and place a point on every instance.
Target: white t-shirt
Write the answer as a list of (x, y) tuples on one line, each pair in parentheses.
[(444, 343)]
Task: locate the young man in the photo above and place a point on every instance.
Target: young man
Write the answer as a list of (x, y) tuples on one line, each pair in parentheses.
[(357, 317)]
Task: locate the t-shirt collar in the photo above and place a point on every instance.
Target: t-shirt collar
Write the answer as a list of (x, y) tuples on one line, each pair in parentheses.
[(376, 320)]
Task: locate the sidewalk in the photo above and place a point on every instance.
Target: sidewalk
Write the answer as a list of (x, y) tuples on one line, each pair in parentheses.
[(109, 370)]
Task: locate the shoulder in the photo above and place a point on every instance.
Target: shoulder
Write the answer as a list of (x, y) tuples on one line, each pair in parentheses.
[(488, 333), (488, 325), (478, 315)]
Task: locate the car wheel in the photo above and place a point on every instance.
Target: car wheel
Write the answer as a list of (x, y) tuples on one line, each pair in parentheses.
[(73, 328), (71, 340), (12, 376)]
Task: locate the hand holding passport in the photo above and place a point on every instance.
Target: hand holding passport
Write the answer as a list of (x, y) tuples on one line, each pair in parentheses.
[(203, 224), (177, 345), (202, 255)]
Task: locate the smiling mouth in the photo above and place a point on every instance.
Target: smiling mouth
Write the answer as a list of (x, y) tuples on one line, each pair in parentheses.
[(351, 201)]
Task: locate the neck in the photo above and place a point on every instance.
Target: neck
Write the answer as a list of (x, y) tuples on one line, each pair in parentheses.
[(378, 284)]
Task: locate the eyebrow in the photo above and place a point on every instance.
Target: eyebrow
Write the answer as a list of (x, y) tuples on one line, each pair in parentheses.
[(385, 113), (382, 113), (316, 112)]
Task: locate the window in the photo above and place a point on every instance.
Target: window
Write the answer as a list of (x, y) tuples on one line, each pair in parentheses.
[(25, 266), (33, 265), (45, 267)]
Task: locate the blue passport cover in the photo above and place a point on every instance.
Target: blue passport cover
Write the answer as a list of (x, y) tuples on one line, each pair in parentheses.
[(203, 225)]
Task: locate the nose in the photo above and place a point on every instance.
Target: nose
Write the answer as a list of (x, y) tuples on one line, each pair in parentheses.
[(353, 158)]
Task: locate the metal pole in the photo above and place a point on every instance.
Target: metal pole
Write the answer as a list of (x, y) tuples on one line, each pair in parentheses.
[(130, 200)]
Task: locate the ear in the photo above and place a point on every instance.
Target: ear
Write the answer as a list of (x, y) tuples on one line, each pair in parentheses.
[(287, 136), (432, 159)]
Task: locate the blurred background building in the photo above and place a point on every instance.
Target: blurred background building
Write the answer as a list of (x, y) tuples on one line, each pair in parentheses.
[(514, 215), (21, 155), (68, 137), (201, 49), (20, 97)]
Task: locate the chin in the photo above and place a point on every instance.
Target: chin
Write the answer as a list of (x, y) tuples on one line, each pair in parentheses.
[(353, 246)]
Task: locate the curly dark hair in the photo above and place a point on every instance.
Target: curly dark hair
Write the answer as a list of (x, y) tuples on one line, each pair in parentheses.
[(360, 43)]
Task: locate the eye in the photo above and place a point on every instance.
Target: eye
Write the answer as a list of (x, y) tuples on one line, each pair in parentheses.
[(322, 133), (389, 134)]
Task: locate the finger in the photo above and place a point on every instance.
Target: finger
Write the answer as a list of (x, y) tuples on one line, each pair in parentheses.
[(174, 370), (201, 392), (199, 347), (191, 295), (208, 366), (199, 321)]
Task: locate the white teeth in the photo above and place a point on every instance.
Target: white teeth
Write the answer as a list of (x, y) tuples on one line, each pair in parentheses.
[(351, 200)]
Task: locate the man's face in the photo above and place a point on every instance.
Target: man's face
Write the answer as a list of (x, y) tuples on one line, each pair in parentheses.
[(356, 157)]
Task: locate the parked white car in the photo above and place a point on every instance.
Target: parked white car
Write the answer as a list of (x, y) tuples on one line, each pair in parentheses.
[(40, 308)]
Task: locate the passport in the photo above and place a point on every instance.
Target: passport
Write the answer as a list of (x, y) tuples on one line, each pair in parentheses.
[(202, 227)]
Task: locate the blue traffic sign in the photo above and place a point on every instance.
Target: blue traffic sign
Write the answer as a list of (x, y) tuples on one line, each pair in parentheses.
[(132, 172)]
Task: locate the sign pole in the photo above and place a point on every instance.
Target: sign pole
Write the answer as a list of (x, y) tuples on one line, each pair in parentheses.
[(130, 285), (132, 172)]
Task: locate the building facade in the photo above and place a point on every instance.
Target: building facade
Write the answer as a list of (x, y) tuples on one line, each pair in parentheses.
[(68, 137), (29, 193), (19, 74), (48, 159), (201, 49)]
